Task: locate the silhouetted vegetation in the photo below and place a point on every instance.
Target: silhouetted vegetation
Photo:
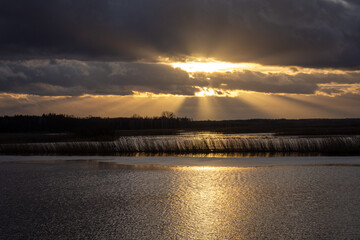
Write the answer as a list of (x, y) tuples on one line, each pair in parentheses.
[(65, 123), (349, 126), (90, 128), (190, 144), (58, 127)]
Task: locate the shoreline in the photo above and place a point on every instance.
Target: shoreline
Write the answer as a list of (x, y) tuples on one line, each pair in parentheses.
[(190, 162)]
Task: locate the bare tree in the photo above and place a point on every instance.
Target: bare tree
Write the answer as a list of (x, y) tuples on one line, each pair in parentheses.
[(167, 114)]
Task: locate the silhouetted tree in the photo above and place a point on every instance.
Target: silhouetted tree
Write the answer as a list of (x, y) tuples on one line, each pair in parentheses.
[(167, 114)]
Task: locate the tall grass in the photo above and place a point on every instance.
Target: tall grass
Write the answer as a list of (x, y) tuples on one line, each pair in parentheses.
[(193, 144)]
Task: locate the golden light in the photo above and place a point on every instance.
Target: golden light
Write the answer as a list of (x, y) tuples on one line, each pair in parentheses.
[(206, 206), (205, 92), (210, 66), (337, 89), (218, 92), (151, 95)]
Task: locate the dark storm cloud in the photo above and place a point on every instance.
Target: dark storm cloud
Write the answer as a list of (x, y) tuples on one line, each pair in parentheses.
[(314, 33), (72, 77)]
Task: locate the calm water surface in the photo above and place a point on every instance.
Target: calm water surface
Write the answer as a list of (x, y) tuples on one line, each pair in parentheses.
[(108, 200)]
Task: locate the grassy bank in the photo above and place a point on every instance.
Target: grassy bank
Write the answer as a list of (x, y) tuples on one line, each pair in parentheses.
[(180, 144)]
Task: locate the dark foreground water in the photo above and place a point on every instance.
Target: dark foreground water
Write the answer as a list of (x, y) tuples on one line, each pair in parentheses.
[(112, 199)]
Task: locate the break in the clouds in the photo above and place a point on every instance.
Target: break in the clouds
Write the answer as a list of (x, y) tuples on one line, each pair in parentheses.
[(75, 78), (316, 33)]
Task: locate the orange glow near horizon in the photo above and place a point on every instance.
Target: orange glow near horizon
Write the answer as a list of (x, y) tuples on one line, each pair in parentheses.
[(210, 106)]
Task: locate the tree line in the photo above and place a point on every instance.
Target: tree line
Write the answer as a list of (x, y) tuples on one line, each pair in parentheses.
[(60, 123), (66, 123)]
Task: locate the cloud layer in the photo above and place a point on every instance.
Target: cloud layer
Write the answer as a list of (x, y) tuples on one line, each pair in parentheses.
[(71, 78), (75, 78), (317, 33), (73, 56)]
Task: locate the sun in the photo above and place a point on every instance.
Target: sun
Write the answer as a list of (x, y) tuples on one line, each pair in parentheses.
[(205, 92), (207, 65), (217, 92)]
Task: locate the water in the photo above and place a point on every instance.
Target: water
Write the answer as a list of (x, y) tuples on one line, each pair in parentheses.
[(44, 197)]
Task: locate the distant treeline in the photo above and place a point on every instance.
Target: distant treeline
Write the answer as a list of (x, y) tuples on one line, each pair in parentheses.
[(58, 123), (168, 123), (284, 126)]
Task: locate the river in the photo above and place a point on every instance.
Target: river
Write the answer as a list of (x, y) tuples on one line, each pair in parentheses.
[(94, 197)]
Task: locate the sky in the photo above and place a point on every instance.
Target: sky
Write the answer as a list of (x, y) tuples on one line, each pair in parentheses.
[(204, 59)]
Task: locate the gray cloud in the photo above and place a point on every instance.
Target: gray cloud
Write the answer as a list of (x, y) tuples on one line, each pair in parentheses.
[(74, 78), (71, 78), (299, 83), (317, 33)]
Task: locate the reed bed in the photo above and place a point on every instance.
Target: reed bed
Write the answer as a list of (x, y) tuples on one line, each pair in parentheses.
[(194, 144)]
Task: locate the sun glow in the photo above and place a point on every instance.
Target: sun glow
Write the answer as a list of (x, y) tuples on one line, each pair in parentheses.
[(210, 66), (218, 92)]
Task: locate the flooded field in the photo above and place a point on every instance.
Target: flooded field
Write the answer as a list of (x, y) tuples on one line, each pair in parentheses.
[(197, 143), (58, 197)]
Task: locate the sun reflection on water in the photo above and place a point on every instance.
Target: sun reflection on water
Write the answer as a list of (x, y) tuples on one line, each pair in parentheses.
[(204, 203), (183, 202)]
